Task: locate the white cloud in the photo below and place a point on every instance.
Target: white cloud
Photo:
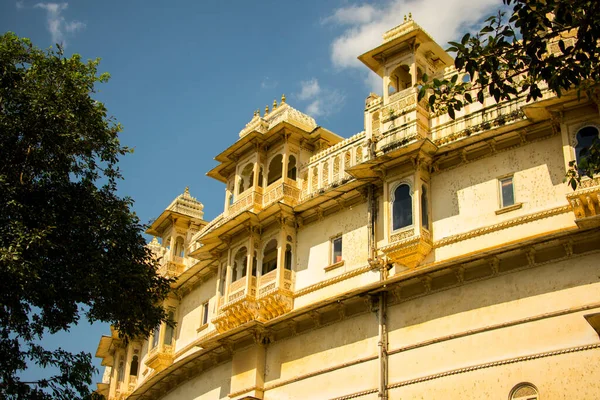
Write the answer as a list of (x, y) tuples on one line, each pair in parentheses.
[(322, 102), (20, 4), (309, 89), (57, 25), (351, 15), (443, 20), (74, 26)]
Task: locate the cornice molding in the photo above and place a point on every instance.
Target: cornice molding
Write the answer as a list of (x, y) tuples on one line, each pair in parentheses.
[(502, 225)]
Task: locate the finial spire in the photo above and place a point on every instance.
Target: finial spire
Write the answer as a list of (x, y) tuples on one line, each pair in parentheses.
[(274, 104), (409, 15), (404, 17), (267, 109), (187, 190), (282, 98)]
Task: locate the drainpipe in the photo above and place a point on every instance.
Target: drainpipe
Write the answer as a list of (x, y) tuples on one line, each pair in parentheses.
[(371, 223), (383, 346)]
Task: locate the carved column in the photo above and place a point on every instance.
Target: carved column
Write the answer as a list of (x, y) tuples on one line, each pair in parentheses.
[(284, 160)]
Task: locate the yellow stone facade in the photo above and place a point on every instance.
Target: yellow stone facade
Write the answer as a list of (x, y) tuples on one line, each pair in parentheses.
[(422, 258)]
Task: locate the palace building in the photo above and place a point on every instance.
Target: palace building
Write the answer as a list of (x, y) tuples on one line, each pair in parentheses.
[(422, 258)]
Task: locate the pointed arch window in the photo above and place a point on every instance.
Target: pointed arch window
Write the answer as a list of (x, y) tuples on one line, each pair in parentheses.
[(402, 211), (133, 369)]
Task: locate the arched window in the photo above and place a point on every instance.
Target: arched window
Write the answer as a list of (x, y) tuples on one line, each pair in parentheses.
[(315, 179), (288, 257), (325, 173), (400, 79), (291, 168), (241, 260), (275, 169), (254, 264), (585, 137), (524, 391), (247, 176), (402, 215), (424, 209), (336, 168), (179, 247), (269, 261), (359, 154), (347, 160), (133, 369)]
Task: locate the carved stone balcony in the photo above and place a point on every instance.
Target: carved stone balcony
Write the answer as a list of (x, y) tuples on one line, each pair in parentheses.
[(239, 306), (160, 357), (585, 202), (275, 297), (286, 191), (172, 268), (252, 200), (408, 248)]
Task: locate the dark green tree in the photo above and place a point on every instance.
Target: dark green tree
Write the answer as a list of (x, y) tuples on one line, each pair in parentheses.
[(521, 51), (69, 246)]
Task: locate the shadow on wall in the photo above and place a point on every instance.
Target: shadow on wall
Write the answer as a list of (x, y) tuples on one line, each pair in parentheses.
[(446, 185), (507, 288), (325, 343)]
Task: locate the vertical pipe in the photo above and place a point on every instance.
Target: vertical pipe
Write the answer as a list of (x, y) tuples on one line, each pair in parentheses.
[(371, 222), (383, 345)]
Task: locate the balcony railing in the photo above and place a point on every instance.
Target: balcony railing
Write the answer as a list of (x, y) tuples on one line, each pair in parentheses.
[(246, 202), (286, 191)]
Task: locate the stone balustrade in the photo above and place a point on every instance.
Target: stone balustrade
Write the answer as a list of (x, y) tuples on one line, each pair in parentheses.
[(324, 172)]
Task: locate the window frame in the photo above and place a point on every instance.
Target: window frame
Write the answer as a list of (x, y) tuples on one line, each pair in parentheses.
[(205, 312), (501, 199), (332, 257), (411, 193)]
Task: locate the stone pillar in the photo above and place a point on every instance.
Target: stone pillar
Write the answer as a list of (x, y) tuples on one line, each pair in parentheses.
[(114, 376), (255, 177), (227, 276), (386, 83), (227, 195), (284, 160), (127, 368)]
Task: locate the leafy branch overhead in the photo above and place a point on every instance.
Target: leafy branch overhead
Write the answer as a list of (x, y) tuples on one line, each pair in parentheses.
[(539, 45), (69, 246)]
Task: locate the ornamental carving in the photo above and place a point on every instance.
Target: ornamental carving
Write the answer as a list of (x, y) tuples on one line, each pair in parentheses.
[(585, 203), (410, 251)]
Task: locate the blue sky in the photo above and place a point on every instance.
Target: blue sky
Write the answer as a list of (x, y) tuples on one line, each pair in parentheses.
[(188, 75)]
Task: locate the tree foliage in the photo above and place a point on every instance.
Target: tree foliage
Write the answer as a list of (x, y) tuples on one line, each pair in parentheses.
[(69, 246), (538, 45)]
